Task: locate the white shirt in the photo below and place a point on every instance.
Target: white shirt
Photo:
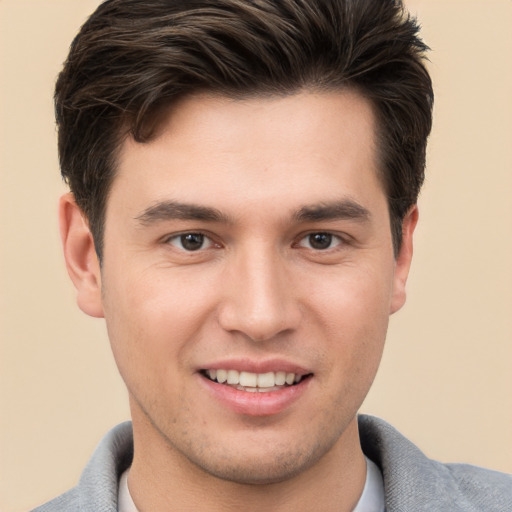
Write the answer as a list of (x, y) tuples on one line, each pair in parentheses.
[(124, 498), (372, 499)]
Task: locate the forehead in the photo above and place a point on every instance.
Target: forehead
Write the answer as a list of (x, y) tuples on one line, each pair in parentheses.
[(254, 149)]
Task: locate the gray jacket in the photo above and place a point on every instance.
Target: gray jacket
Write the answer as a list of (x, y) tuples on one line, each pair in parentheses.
[(412, 482)]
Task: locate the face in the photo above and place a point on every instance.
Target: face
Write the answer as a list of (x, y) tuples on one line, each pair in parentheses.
[(247, 281)]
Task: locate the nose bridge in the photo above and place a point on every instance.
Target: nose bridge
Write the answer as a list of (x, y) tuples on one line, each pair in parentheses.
[(259, 299)]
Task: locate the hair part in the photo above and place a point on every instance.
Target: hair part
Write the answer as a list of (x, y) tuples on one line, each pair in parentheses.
[(131, 60)]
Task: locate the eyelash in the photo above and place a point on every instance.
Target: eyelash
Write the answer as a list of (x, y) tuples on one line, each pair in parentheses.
[(178, 241), (179, 238), (331, 238)]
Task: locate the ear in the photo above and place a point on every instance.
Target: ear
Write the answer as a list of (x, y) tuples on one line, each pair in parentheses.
[(403, 260), (80, 255)]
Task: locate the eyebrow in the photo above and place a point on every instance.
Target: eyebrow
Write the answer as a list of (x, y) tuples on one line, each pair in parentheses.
[(345, 209), (172, 210)]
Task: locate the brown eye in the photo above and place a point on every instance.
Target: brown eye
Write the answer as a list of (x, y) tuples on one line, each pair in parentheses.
[(190, 241), (320, 241)]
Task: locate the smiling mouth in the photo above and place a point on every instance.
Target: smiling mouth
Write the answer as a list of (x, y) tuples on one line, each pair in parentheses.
[(254, 382)]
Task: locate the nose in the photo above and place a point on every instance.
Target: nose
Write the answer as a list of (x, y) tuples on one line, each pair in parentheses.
[(260, 299)]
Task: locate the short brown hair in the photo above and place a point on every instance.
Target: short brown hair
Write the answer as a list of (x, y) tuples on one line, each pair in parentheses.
[(131, 59)]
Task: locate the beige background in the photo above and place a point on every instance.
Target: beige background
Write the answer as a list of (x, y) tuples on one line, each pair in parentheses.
[(446, 379)]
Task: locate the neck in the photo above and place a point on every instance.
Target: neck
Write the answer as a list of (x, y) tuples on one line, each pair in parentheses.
[(163, 479)]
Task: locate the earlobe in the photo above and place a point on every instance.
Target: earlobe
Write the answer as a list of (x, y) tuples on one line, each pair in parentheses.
[(403, 260), (80, 255)]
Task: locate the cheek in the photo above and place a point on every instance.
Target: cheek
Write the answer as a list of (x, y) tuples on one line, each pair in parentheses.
[(153, 319), (354, 312), (357, 298)]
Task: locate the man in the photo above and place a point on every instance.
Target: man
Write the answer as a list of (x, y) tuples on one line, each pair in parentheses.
[(244, 177)]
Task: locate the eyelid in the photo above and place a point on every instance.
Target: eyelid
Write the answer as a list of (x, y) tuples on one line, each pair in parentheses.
[(168, 239), (342, 239)]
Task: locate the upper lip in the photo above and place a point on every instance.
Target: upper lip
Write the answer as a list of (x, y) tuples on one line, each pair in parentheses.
[(254, 366)]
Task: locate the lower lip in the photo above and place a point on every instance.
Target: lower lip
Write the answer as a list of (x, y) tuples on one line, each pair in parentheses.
[(257, 403)]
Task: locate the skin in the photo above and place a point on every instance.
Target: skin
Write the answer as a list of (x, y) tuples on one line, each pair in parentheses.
[(256, 291)]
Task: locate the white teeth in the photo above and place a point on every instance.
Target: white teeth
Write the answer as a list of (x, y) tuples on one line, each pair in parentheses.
[(248, 379), (280, 378), (254, 381), (233, 377), (222, 376), (266, 380)]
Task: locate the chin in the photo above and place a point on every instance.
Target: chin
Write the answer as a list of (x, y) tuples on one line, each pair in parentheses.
[(259, 471), (261, 461)]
